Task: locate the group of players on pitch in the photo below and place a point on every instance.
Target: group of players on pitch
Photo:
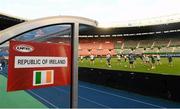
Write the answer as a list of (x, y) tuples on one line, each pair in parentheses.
[(147, 59)]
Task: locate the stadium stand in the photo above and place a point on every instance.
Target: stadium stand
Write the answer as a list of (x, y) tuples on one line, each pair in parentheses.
[(146, 43), (127, 45), (126, 51), (139, 51), (118, 44), (166, 50), (97, 47), (83, 52), (130, 43), (162, 42), (177, 50), (175, 42)]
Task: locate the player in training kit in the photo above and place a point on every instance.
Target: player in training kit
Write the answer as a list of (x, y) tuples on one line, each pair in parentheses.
[(143, 59), (158, 59), (81, 59), (92, 57), (147, 59), (170, 60), (131, 61), (100, 58), (152, 62), (108, 59), (125, 58), (119, 59)]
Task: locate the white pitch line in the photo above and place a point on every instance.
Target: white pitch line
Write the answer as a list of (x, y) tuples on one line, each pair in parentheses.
[(94, 102), (84, 98), (120, 96), (43, 99)]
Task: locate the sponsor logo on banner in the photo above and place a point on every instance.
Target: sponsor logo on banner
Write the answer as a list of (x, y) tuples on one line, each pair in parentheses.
[(24, 48)]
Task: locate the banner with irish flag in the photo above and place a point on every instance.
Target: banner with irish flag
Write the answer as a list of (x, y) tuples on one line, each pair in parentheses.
[(38, 65), (43, 77)]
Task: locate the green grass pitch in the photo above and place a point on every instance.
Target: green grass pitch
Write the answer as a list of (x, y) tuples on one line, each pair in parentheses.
[(163, 68)]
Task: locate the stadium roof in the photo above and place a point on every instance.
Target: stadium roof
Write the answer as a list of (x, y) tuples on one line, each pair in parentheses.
[(12, 32), (8, 20), (148, 29), (173, 18), (163, 23)]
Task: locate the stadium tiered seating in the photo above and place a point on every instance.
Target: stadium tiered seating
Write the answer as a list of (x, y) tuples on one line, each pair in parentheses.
[(118, 44), (113, 52), (151, 50), (94, 51), (130, 43), (86, 45), (105, 51), (162, 42), (83, 52), (107, 45), (103, 46), (97, 46), (177, 50), (166, 50), (126, 51), (145, 43), (175, 42), (99, 52), (118, 51), (138, 51)]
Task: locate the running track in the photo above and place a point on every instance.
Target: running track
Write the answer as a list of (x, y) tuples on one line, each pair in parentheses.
[(94, 96)]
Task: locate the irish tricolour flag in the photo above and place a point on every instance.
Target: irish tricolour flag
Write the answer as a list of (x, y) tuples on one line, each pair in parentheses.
[(43, 77)]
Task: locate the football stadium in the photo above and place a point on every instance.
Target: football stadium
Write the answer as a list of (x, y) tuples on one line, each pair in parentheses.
[(72, 62)]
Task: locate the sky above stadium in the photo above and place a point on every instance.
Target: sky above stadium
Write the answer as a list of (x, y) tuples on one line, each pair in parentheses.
[(100, 10)]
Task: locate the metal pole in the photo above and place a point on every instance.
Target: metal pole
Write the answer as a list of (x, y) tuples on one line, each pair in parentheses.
[(74, 77)]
